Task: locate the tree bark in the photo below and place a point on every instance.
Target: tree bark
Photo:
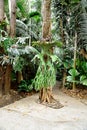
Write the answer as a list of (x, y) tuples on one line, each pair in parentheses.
[(12, 11), (46, 16), (7, 79), (74, 60), (46, 95), (61, 30), (1, 81), (19, 77), (1, 10), (64, 78)]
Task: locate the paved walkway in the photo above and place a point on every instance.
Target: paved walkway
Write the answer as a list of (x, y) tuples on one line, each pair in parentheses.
[(27, 114)]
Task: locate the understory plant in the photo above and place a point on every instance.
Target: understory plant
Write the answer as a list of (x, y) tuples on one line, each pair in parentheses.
[(25, 86), (78, 75), (82, 68)]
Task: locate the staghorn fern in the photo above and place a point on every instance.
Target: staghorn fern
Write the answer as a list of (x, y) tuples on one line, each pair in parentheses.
[(46, 74)]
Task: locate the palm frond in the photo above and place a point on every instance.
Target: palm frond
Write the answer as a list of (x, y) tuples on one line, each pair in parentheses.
[(21, 28), (22, 5)]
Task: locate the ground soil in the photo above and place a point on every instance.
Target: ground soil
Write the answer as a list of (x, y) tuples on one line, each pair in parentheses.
[(27, 114), (80, 93), (14, 95)]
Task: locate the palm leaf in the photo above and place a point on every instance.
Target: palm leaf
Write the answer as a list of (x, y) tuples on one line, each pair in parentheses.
[(22, 5)]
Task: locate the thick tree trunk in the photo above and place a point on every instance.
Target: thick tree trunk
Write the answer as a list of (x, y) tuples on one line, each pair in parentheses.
[(7, 79), (46, 95), (20, 77), (46, 15), (12, 11), (1, 81), (1, 10)]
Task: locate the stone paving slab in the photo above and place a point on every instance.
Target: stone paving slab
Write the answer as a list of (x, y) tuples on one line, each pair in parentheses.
[(27, 114)]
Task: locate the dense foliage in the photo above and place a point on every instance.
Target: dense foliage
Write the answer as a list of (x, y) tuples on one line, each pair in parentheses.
[(68, 17)]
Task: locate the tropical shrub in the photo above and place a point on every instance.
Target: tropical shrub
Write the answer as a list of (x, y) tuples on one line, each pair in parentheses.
[(78, 75), (25, 86)]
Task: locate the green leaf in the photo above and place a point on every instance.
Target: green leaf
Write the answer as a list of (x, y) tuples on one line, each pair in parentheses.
[(58, 43), (22, 6), (75, 1), (73, 72), (35, 16), (70, 79), (54, 58), (66, 65), (34, 13), (82, 77), (84, 82)]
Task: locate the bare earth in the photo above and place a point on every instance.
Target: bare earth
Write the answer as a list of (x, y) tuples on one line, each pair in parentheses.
[(27, 114)]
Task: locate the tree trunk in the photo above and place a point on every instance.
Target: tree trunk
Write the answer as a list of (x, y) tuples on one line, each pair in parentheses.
[(12, 11), (7, 79), (1, 10), (61, 30), (64, 78), (1, 81), (20, 77), (46, 93), (7, 25), (46, 15), (74, 64)]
